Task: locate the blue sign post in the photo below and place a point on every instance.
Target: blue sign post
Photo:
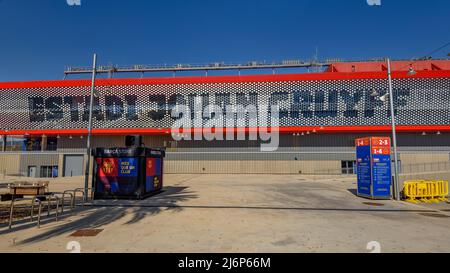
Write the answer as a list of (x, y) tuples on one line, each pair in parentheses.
[(374, 167)]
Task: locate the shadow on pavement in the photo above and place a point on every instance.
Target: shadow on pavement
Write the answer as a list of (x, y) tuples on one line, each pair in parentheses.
[(96, 217), (354, 192)]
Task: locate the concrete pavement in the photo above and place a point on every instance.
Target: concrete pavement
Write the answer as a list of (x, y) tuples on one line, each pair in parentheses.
[(241, 213)]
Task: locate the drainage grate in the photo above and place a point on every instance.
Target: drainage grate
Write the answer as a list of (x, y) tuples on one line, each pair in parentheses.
[(86, 233), (373, 204), (435, 215)]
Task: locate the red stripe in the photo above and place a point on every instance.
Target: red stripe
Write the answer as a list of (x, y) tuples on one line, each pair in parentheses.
[(283, 130), (225, 79)]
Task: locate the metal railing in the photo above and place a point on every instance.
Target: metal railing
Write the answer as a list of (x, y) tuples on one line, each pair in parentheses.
[(196, 67), (424, 167)]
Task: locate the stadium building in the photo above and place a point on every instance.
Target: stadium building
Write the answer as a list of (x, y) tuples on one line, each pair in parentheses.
[(43, 124)]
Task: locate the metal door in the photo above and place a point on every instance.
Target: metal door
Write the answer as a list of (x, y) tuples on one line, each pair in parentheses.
[(73, 165), (32, 171)]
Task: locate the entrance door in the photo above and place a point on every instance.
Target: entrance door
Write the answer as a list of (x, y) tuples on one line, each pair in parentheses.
[(73, 165), (348, 167), (32, 170)]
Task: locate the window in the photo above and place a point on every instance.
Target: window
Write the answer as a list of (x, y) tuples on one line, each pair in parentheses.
[(33, 144), (14, 143), (19, 143), (52, 143), (172, 144), (49, 171), (348, 167), (2, 142)]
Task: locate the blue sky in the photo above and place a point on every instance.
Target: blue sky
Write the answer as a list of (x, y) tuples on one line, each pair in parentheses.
[(39, 38)]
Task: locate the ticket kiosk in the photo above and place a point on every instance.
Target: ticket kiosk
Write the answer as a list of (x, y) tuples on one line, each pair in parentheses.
[(127, 173)]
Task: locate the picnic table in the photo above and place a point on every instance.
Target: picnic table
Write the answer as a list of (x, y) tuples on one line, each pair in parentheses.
[(28, 188), (38, 191)]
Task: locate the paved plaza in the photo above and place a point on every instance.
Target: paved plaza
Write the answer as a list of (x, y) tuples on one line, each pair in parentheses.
[(239, 213)]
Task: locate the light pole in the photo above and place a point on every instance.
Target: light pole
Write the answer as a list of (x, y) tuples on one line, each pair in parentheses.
[(88, 143), (394, 133), (384, 98)]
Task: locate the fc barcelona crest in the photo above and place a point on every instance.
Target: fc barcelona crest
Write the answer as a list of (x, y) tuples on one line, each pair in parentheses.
[(156, 182), (108, 168)]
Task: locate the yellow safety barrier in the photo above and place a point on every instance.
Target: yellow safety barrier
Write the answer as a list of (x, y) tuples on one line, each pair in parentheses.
[(443, 187), (425, 191)]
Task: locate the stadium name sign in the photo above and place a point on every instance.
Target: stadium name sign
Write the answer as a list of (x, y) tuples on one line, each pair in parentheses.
[(301, 103), (294, 105)]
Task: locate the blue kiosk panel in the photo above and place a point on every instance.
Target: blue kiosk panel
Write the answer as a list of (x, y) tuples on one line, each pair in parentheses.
[(374, 167)]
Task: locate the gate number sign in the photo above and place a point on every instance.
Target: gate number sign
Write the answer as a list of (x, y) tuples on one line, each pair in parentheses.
[(374, 167)]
